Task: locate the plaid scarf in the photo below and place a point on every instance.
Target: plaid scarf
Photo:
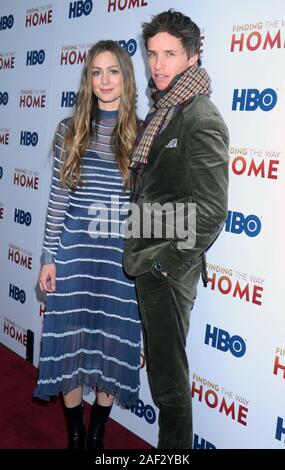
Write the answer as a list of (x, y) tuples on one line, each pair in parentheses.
[(167, 103)]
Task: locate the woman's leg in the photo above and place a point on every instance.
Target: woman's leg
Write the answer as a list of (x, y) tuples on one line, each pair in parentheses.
[(99, 416), (73, 398), (74, 417)]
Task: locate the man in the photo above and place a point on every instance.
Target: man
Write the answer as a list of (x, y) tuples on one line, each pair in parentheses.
[(181, 156)]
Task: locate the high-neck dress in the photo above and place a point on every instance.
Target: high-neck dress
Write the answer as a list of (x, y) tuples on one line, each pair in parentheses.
[(91, 331)]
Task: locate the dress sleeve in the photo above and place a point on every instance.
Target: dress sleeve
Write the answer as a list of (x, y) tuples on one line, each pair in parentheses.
[(58, 201)]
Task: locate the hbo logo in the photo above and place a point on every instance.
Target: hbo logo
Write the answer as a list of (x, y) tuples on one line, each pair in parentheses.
[(251, 99), (68, 99), (4, 98), (35, 57), (236, 222), (144, 411), (130, 46), (77, 9), (200, 443), (220, 339), (17, 294), (29, 138), (6, 22), (22, 217)]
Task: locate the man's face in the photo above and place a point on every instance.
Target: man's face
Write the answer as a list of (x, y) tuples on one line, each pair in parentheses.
[(167, 58)]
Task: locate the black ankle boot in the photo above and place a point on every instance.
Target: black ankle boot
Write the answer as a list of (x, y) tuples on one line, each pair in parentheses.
[(75, 426), (99, 416)]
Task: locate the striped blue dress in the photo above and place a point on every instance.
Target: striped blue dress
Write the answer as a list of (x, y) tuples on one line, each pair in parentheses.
[(91, 331)]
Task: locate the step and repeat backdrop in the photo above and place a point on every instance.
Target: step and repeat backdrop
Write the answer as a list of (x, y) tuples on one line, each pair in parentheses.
[(237, 338)]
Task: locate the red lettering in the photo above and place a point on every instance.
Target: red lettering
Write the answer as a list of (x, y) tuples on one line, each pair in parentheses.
[(197, 390), (20, 259), (4, 139), (228, 410), (31, 101), (228, 287), (63, 58), (238, 42), (272, 168), (254, 41), (235, 162), (120, 6), (134, 3), (271, 42), (207, 398), (72, 57), (211, 399), (26, 181), (256, 295), (38, 19), (35, 19), (225, 285), (241, 166), (142, 361), (240, 292), (42, 310), (81, 57), (43, 18), (49, 18), (242, 413), (256, 169), (257, 35), (123, 4), (11, 331), (19, 336), (28, 20), (8, 63), (278, 366)]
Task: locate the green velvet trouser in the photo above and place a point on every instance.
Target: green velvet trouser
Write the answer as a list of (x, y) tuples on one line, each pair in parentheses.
[(165, 305)]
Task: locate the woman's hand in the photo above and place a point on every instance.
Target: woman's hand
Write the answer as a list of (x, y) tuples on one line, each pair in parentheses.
[(47, 278)]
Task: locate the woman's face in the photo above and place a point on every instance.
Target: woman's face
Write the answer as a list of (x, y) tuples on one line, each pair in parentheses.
[(107, 81)]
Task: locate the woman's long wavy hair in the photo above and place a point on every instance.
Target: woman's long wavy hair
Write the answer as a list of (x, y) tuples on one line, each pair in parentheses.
[(86, 110)]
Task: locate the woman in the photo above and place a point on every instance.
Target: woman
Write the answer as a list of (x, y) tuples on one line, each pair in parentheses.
[(91, 332)]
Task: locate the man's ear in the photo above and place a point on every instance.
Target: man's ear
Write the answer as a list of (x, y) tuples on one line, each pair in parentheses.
[(193, 60)]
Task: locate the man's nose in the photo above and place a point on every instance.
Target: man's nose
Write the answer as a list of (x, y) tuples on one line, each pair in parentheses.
[(159, 63)]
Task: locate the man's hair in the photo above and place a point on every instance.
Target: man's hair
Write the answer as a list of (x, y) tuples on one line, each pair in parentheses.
[(177, 24)]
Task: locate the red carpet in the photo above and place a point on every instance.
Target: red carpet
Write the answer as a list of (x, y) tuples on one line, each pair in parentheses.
[(26, 423)]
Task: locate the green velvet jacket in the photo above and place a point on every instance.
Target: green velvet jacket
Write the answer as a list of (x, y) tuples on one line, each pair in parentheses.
[(188, 163)]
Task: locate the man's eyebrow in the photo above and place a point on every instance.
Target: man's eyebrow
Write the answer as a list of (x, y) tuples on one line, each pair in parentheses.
[(165, 50)]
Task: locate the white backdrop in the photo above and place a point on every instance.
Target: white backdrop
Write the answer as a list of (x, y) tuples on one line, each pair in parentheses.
[(237, 341)]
